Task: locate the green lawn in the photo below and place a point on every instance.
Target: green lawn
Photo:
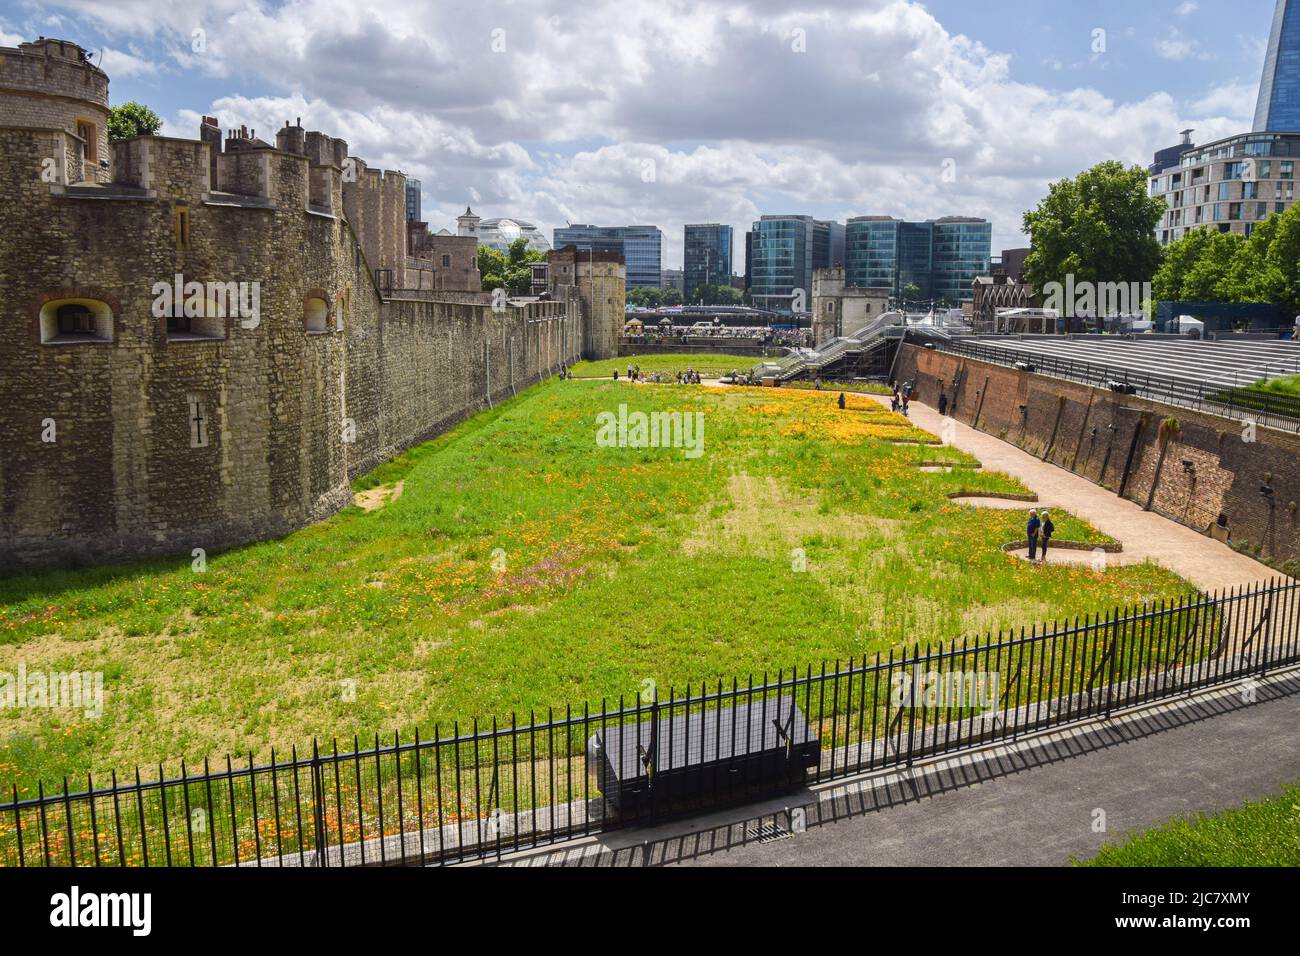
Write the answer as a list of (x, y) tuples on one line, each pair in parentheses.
[(523, 567), (708, 365), (1264, 833), (1289, 385), (865, 388)]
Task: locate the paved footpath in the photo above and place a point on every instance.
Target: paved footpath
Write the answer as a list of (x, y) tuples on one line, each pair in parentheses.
[(1141, 770), (1029, 803), (1205, 562)]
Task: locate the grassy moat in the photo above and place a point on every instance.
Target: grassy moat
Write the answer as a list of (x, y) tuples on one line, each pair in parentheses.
[(523, 566)]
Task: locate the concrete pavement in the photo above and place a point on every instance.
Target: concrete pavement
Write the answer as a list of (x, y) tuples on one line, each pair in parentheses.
[(1032, 803), (1145, 535)]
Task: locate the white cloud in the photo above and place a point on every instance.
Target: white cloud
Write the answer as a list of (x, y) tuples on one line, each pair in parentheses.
[(1233, 101), (557, 124), (1187, 8), (119, 63), (1177, 46)]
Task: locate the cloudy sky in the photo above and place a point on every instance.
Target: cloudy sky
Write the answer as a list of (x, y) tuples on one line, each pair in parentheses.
[(668, 112)]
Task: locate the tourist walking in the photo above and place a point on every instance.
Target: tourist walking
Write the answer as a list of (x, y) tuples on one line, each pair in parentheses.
[(1034, 526), (1047, 531), (841, 402), (943, 403)]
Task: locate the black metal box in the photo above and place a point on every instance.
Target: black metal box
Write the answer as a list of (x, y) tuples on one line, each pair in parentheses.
[(667, 762)]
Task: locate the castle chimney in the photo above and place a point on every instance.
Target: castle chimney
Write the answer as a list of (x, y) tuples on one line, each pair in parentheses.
[(210, 133)]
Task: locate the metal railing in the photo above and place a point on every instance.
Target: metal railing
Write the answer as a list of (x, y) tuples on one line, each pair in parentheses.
[(490, 787), (865, 339), (1273, 410)]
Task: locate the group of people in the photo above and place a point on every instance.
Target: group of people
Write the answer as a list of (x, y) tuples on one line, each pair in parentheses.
[(637, 374), (900, 398), (1040, 531)]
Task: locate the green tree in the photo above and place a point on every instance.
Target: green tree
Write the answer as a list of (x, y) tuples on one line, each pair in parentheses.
[(649, 297), (717, 295), (492, 267), (911, 293), (1211, 276), (1210, 266), (1100, 226), (1279, 273), (1180, 256), (132, 119), (510, 270)]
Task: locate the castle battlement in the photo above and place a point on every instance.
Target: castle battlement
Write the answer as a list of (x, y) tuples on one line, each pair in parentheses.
[(241, 409), (53, 68), (51, 84)]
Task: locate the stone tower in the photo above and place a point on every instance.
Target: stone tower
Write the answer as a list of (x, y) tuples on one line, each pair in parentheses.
[(52, 84), (840, 309), (467, 225), (598, 280)]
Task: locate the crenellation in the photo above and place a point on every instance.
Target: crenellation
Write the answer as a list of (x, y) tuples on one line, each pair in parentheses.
[(173, 431)]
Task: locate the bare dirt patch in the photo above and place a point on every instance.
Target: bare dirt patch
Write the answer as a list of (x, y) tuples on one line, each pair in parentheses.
[(375, 498)]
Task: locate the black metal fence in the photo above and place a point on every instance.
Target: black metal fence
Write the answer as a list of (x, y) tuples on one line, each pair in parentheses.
[(488, 788), (1273, 409)]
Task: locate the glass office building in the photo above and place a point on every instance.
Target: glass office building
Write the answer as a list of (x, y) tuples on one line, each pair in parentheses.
[(1278, 106), (412, 200), (960, 250), (940, 257), (871, 252), (706, 257), (640, 246), (783, 252)]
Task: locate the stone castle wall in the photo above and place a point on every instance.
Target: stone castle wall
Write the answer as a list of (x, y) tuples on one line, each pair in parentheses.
[(1116, 441), (99, 459), (50, 84)]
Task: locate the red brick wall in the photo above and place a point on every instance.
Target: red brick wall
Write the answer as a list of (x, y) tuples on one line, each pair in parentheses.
[(1091, 432)]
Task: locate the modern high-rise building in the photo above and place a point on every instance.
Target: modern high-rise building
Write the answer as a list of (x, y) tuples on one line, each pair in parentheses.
[(923, 261), (1232, 184), (640, 246), (783, 252), (413, 200), (749, 257), (961, 250), (1278, 107), (707, 256), (1228, 185)]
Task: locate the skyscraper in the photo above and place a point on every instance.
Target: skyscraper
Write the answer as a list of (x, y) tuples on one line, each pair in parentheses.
[(783, 252), (939, 257), (706, 256), (640, 246), (1278, 106), (412, 200), (1231, 185)]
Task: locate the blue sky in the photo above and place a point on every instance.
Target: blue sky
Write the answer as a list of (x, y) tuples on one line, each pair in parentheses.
[(669, 112)]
